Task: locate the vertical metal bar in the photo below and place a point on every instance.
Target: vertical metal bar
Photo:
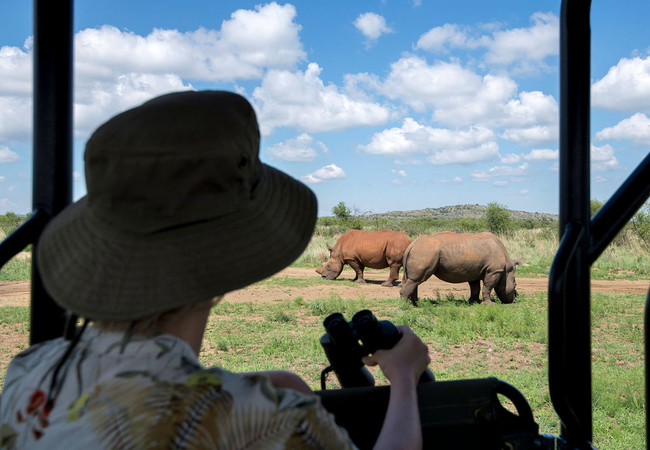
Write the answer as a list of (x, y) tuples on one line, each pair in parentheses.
[(570, 346), (52, 170)]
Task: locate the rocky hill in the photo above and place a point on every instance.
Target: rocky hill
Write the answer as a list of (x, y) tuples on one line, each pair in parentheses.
[(460, 211)]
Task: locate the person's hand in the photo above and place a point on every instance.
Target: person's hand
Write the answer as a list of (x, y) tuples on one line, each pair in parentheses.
[(285, 379), (405, 362)]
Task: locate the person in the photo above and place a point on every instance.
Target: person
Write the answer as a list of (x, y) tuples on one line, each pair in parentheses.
[(179, 211)]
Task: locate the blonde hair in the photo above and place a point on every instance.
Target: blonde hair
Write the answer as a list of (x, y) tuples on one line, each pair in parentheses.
[(149, 326)]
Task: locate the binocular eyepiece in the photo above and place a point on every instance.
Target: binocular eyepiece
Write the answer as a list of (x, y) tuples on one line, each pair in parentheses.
[(345, 343)]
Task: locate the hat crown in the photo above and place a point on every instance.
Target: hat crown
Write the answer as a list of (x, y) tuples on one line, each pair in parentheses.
[(176, 159)]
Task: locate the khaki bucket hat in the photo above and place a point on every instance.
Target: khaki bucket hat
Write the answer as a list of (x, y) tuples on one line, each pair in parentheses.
[(179, 209)]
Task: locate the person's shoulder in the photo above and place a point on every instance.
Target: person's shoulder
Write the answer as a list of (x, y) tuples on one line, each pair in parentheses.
[(36, 353)]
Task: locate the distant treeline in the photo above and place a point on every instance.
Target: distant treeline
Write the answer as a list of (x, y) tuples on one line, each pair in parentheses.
[(331, 226), (10, 221)]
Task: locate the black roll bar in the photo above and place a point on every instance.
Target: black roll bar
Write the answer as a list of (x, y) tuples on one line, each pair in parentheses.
[(52, 150), (52, 166), (582, 239), (569, 342)]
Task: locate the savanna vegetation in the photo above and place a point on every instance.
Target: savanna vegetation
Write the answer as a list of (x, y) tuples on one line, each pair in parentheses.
[(535, 239), (467, 341), (531, 236), (507, 342)]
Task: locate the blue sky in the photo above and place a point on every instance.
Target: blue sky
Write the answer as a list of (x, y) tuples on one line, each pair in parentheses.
[(385, 105)]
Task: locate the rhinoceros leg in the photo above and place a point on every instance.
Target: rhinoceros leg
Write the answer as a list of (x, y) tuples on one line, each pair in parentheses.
[(358, 270), (392, 276), (409, 291), (474, 291), (490, 280)]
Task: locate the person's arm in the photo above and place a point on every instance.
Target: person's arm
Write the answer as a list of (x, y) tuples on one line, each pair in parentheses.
[(402, 365), (284, 379)]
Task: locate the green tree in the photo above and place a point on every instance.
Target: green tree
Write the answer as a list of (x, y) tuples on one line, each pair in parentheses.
[(594, 206), (341, 211), (498, 218), (641, 224)]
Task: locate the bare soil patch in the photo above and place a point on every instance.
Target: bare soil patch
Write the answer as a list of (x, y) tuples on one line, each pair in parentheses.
[(16, 293)]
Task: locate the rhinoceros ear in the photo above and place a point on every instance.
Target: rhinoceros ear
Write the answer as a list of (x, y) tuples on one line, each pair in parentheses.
[(329, 248)]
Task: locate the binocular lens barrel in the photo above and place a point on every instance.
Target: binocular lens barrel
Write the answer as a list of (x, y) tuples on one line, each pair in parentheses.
[(338, 328)]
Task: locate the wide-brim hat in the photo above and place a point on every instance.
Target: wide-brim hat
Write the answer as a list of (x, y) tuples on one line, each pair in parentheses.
[(179, 209)]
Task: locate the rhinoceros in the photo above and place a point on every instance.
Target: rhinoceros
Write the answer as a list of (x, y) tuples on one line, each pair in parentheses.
[(460, 258), (361, 249)]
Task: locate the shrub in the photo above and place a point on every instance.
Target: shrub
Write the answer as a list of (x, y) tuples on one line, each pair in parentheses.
[(341, 211), (641, 225), (498, 218)]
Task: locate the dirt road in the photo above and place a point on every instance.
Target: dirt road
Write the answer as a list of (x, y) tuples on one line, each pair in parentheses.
[(16, 293)]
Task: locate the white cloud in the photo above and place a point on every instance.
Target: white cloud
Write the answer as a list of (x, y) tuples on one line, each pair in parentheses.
[(15, 71), (400, 173), (499, 171), (625, 87), (510, 158), (523, 191), (372, 26), (460, 97), (330, 172), (15, 118), (7, 156), (635, 129), (542, 154), (457, 180), (443, 146), (301, 100), (441, 39), (600, 180), (532, 136), (603, 159), (76, 175), (417, 3), (484, 152), (526, 46), (517, 179), (531, 108), (397, 182), (501, 183), (298, 149), (6, 203), (11, 188), (2, 178), (246, 44), (408, 161), (116, 70), (94, 105)]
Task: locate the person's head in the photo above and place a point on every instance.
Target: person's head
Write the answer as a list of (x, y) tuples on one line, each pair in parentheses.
[(179, 210)]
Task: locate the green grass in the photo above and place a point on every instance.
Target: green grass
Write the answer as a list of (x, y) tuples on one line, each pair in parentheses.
[(16, 270), (467, 341), (15, 318), (285, 335)]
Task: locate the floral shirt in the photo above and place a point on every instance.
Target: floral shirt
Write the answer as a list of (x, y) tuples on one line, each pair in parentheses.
[(133, 393)]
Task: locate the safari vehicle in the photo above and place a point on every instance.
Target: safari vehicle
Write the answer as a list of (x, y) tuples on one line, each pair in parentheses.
[(454, 414)]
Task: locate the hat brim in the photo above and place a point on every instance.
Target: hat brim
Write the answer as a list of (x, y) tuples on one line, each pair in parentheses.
[(98, 272)]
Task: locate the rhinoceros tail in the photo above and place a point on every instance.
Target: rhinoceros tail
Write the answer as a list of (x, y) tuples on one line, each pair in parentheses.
[(405, 258)]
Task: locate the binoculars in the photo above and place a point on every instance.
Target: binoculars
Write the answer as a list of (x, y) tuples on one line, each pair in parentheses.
[(345, 343)]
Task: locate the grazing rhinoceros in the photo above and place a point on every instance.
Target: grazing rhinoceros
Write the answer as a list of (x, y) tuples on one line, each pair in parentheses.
[(361, 249), (460, 258)]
